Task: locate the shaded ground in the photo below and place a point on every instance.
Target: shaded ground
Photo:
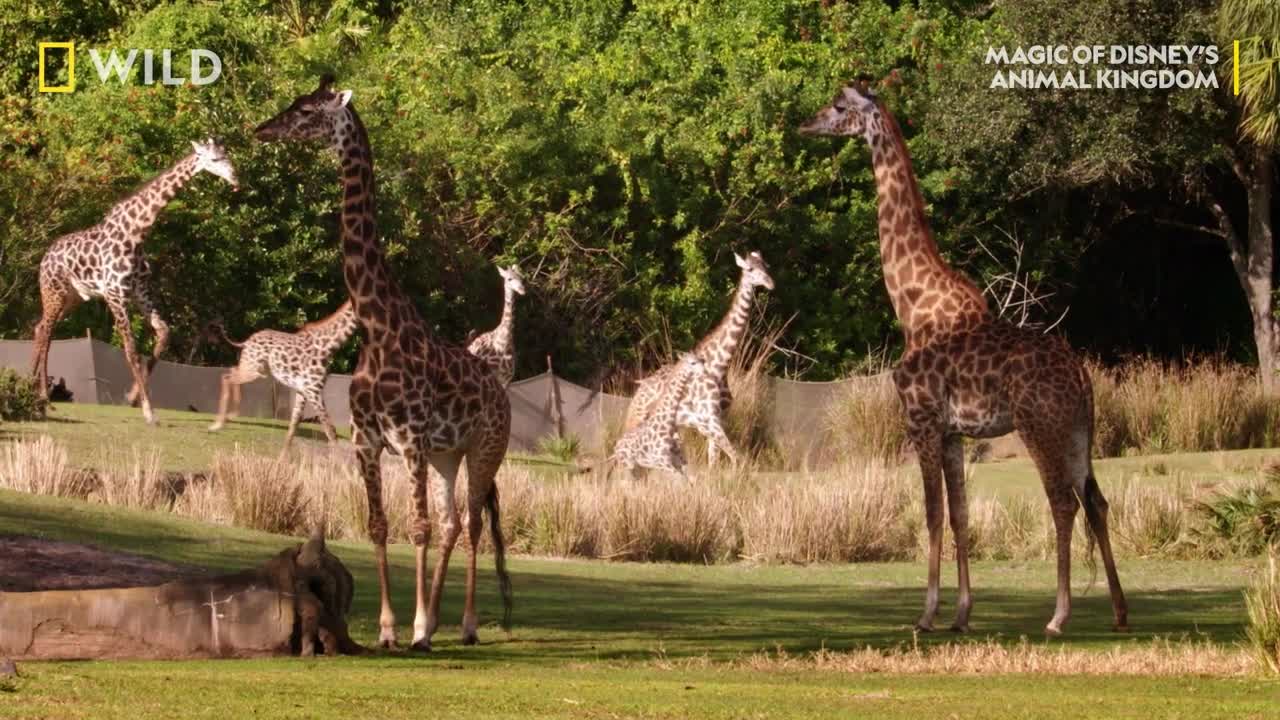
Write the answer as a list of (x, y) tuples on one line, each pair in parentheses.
[(30, 563)]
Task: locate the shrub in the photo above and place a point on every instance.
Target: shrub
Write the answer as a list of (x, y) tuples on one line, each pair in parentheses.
[(18, 398), (1244, 521), (866, 420), (564, 448)]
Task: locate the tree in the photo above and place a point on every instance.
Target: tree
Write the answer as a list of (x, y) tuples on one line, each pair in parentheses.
[(1256, 23)]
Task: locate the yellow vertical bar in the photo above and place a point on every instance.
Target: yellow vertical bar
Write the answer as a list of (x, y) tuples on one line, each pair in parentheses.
[(1235, 66)]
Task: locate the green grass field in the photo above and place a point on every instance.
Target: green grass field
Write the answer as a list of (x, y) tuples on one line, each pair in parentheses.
[(598, 639)]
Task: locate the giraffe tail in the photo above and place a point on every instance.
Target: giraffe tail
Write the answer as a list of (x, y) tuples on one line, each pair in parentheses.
[(222, 333), (499, 554)]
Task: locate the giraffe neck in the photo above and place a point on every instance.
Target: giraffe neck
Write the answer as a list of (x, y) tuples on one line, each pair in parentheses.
[(334, 330), (717, 348), (926, 293), (375, 296), (138, 212), (504, 333)]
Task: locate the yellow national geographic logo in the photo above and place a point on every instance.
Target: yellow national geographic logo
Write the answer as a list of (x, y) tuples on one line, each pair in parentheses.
[(70, 47)]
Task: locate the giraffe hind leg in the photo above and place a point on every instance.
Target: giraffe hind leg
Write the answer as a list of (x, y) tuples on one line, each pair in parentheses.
[(230, 393), (56, 302), (958, 511)]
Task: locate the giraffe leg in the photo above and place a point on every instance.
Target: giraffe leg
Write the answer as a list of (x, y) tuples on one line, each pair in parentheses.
[(427, 615), (231, 382), (234, 410), (367, 455), (119, 310), (474, 521), (958, 510), (1044, 445), (1095, 512), (56, 302), (315, 396), (717, 440), (928, 444), (158, 325), (295, 416)]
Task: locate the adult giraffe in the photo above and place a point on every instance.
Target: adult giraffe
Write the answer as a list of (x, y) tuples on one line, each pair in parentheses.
[(967, 374), (107, 261), (433, 403)]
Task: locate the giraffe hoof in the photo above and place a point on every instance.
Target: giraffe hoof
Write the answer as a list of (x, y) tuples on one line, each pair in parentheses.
[(1120, 628), (1053, 632), (921, 627), (388, 644), (960, 628), (421, 646), (470, 639)]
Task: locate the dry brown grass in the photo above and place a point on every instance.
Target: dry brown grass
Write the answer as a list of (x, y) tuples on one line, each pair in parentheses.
[(41, 467), (1146, 406), (134, 478), (1160, 658), (865, 420)]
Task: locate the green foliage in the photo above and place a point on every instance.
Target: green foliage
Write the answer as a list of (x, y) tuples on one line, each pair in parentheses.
[(563, 448), (1245, 521), (18, 398), (1256, 24)]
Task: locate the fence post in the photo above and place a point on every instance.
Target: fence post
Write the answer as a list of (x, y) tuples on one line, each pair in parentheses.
[(553, 399)]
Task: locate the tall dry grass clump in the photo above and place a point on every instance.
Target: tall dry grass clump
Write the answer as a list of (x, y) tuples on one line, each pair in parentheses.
[(40, 467), (859, 513), (250, 491), (866, 421), (135, 478), (1262, 602), (1146, 406)]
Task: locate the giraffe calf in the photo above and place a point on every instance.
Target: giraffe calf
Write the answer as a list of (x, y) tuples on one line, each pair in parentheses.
[(655, 442), (299, 361)]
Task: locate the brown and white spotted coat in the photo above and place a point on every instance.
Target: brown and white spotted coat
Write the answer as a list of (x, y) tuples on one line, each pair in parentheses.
[(298, 360), (708, 398), (498, 347), (434, 403), (106, 261), (966, 374), (654, 444)]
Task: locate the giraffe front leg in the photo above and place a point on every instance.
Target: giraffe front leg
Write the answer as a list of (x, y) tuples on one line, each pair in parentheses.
[(120, 312), (928, 447), (367, 454), (958, 510), (295, 416), (158, 325), (446, 465), (315, 396)]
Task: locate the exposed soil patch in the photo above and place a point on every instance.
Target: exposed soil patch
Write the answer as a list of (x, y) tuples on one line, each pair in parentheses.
[(28, 564)]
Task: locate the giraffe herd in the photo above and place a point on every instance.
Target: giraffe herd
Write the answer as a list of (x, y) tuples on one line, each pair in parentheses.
[(439, 406)]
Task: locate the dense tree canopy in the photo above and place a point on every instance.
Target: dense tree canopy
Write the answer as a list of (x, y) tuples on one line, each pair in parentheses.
[(620, 151)]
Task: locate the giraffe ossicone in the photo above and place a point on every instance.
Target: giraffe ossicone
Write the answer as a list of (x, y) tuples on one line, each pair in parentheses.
[(968, 374), (434, 403), (106, 261)]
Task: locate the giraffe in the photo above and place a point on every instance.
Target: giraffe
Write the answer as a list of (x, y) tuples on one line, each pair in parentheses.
[(967, 374), (299, 361), (433, 403), (107, 261), (497, 347), (655, 441), (708, 398)]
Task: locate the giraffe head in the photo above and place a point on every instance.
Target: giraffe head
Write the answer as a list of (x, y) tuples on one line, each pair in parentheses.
[(854, 111), (212, 158), (690, 362), (512, 279), (319, 115), (754, 271)]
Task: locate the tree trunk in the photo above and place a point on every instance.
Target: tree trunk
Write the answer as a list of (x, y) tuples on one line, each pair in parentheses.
[(1261, 260), (1253, 257)]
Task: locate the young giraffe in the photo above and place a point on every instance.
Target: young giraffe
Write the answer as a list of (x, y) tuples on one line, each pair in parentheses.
[(965, 374), (708, 397), (497, 347), (298, 360), (106, 261), (434, 403), (655, 442)]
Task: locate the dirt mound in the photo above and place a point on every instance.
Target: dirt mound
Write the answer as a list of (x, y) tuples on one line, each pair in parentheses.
[(28, 564)]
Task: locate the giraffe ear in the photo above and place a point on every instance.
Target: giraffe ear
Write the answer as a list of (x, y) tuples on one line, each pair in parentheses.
[(740, 260), (195, 146), (344, 97)]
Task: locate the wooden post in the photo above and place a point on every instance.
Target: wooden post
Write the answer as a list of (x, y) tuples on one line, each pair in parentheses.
[(553, 399)]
